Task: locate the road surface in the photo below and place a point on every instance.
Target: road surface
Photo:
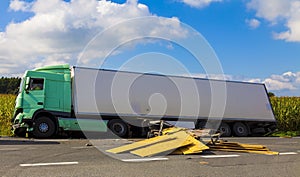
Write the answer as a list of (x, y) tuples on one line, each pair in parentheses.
[(81, 157)]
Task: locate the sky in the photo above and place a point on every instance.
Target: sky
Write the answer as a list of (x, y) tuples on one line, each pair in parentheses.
[(241, 40)]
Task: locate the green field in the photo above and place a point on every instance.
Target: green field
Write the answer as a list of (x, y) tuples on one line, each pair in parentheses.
[(286, 110)]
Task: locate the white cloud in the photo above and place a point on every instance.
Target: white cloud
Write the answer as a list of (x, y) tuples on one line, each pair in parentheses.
[(280, 11), (58, 31), (17, 5), (271, 10), (286, 84), (199, 3), (253, 23), (209, 76), (253, 80), (275, 85), (288, 81)]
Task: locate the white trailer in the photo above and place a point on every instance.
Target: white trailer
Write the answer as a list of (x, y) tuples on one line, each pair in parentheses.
[(122, 98)]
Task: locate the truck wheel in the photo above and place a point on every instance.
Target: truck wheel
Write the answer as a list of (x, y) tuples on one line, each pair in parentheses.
[(225, 129), (43, 127), (118, 127), (240, 129), (200, 124), (20, 132)]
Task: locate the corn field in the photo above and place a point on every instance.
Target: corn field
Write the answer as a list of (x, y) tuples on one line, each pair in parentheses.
[(286, 110), (7, 103)]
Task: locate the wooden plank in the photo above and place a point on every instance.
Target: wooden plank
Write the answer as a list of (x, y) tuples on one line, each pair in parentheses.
[(238, 148), (247, 151), (235, 144)]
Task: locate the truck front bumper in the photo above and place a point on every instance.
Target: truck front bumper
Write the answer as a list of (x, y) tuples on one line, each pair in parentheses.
[(21, 122)]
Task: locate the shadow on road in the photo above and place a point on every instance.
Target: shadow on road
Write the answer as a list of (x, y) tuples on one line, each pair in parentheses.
[(25, 142)]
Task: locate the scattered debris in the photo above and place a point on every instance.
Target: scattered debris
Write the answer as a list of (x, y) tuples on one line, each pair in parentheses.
[(203, 163), (88, 144), (237, 147), (178, 140)]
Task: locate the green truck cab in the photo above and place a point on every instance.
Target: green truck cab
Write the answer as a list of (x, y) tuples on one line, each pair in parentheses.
[(45, 94)]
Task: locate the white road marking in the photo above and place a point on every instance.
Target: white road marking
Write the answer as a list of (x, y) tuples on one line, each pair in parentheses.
[(81, 147), (48, 164), (9, 149), (256, 138), (219, 156), (51, 140), (287, 153), (144, 159)]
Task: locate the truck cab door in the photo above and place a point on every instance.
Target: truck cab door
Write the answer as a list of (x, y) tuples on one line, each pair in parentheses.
[(34, 96)]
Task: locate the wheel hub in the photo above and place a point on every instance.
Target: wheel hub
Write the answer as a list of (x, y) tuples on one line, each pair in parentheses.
[(118, 128), (240, 130), (43, 127)]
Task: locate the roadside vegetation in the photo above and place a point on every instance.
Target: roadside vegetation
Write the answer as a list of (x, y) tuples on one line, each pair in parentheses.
[(287, 113), (7, 103), (286, 110)]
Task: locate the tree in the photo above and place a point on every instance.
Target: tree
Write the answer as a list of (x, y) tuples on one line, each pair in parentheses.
[(9, 85), (271, 94)]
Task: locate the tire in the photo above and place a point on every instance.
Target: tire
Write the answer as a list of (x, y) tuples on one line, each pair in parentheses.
[(201, 124), (225, 130), (118, 127), (43, 127), (20, 132), (240, 129)]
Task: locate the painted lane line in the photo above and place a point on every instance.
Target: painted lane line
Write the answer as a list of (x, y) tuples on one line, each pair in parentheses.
[(288, 153), (48, 164), (51, 140), (220, 156), (82, 147), (144, 159), (9, 149)]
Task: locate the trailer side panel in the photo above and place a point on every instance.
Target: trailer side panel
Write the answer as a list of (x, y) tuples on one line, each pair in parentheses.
[(112, 93)]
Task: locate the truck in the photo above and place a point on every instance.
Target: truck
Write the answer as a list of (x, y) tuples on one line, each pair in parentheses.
[(61, 98)]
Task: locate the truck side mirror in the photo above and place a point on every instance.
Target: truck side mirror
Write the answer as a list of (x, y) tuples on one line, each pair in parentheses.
[(27, 83)]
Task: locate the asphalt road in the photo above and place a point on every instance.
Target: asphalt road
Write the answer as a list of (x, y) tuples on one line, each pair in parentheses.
[(81, 157)]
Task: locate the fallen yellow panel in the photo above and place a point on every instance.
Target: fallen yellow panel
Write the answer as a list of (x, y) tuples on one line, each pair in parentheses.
[(177, 152), (160, 148), (194, 148), (169, 135), (182, 139), (142, 143), (172, 130)]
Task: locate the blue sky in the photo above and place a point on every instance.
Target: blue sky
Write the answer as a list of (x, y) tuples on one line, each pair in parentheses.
[(256, 41)]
